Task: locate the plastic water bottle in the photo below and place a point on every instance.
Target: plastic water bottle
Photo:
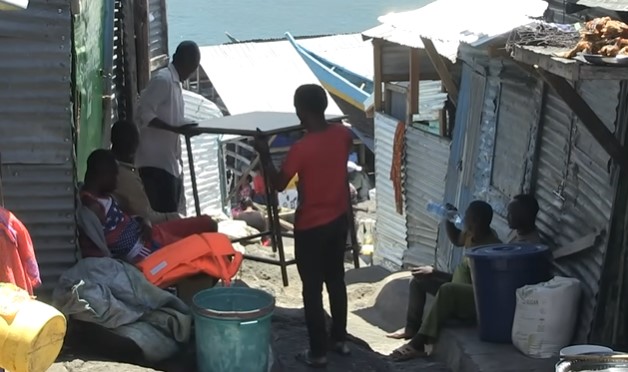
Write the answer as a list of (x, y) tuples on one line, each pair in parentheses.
[(445, 214)]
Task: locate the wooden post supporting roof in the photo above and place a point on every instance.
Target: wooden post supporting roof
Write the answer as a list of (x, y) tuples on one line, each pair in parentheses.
[(587, 116), (412, 96), (377, 78), (141, 42), (441, 69)]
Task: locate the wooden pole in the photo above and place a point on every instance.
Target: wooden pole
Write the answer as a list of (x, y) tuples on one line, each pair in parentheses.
[(412, 96), (377, 79), (588, 117), (141, 43), (441, 69)]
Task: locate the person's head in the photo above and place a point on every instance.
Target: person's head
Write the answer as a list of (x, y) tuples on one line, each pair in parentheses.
[(247, 204), (125, 138), (186, 59), (478, 217), (102, 171), (310, 102), (522, 212)]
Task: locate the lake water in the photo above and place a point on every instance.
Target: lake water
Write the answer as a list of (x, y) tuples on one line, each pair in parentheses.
[(206, 21)]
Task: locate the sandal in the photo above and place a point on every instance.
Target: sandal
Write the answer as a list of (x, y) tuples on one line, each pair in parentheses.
[(407, 352), (400, 335), (306, 358)]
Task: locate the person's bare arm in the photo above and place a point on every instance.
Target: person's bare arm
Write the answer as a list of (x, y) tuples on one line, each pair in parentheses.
[(454, 234), (277, 179)]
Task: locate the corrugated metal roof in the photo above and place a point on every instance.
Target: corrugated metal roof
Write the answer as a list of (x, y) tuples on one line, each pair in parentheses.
[(36, 129), (263, 76), (206, 159), (448, 23), (614, 5), (13, 4), (349, 51)]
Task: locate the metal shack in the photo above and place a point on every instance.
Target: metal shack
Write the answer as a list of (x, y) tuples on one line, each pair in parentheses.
[(555, 130)]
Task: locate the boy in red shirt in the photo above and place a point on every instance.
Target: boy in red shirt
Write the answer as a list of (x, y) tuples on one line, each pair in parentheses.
[(321, 221)]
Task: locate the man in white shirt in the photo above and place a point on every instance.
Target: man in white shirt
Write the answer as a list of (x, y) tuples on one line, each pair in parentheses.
[(161, 119)]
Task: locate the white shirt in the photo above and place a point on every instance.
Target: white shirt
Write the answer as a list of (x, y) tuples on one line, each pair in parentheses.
[(162, 98)]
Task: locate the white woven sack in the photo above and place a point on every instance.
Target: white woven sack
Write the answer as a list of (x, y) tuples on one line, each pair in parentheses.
[(545, 316)]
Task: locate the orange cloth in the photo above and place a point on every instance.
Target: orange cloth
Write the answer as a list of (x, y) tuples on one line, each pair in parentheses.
[(209, 253), (18, 264), (172, 231), (397, 164)]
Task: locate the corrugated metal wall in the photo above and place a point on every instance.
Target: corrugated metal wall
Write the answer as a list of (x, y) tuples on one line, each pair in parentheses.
[(36, 138), (468, 115), (158, 34), (390, 226), (507, 142), (574, 187), (477, 116), (205, 150), (427, 156)]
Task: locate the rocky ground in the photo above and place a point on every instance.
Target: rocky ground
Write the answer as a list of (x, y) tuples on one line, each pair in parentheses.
[(290, 336)]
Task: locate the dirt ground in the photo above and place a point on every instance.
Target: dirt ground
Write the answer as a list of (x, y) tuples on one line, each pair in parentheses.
[(369, 344)]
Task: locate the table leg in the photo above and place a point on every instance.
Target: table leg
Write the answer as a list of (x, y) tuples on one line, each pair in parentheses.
[(197, 203), (275, 227)]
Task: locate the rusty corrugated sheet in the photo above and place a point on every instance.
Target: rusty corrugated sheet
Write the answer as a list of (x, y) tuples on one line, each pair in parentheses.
[(157, 34), (575, 189), (390, 225), (206, 159), (36, 138), (425, 171)]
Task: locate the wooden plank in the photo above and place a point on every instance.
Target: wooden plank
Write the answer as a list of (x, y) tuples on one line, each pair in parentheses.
[(441, 68), (396, 88), (588, 117), (377, 78), (141, 43), (425, 75), (443, 117), (577, 246), (412, 97), (552, 64)]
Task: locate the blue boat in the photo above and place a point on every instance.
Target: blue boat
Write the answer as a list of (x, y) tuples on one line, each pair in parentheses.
[(337, 80)]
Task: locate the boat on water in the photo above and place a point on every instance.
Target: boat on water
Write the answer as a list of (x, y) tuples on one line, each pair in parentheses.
[(337, 80)]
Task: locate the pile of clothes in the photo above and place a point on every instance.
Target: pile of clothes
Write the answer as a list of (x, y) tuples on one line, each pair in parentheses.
[(117, 296)]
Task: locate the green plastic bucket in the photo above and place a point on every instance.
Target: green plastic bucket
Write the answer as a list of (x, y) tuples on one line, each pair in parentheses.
[(233, 327)]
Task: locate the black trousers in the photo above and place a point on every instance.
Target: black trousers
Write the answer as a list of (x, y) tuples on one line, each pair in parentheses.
[(420, 286), (162, 188), (320, 259)]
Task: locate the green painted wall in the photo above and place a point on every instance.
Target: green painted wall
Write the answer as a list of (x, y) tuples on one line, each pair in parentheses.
[(88, 79)]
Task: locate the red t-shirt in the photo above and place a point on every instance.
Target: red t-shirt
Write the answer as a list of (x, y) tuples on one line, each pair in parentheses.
[(320, 160), (258, 185)]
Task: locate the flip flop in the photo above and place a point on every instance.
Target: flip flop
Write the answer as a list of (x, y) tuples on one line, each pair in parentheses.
[(399, 335), (407, 352), (306, 358)]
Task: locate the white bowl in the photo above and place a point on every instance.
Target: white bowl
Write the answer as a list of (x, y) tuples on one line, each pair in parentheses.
[(584, 349)]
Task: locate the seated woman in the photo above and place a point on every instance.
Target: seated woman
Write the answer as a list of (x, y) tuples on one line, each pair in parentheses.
[(127, 237)]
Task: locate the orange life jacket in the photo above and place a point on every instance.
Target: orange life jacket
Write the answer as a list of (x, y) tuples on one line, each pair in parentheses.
[(208, 253)]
